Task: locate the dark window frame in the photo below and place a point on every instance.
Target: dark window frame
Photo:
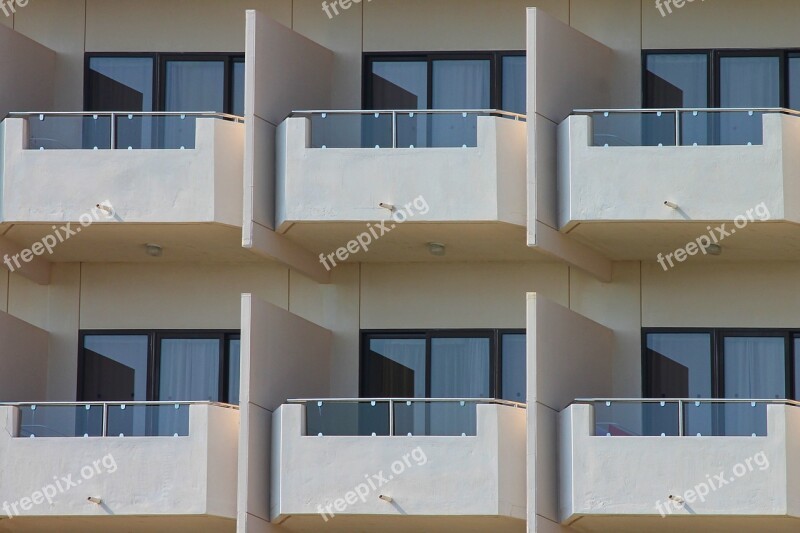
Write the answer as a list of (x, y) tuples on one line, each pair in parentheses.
[(714, 56), (154, 355), (494, 335), (717, 339), (159, 73), (495, 58)]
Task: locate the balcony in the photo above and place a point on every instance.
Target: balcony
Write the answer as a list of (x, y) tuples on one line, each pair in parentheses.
[(456, 177), (633, 183), (400, 465), (165, 170), (130, 466), (705, 465)]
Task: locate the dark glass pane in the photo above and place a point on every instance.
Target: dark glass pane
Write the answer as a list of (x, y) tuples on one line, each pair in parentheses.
[(679, 365), (399, 85), (754, 367), (439, 419), (148, 420), (237, 107), (195, 86), (440, 130), (633, 129), (797, 368), (748, 82), (676, 80), (514, 92), (636, 419), (794, 81), (173, 132), (189, 370), (368, 130), (54, 132), (714, 419), (347, 418), (234, 362), (461, 84), (115, 368), (460, 367), (61, 421), (395, 368), (120, 84), (513, 371)]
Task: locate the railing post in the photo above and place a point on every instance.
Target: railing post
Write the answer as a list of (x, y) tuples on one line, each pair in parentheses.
[(680, 418), (113, 145), (677, 127), (105, 419), (391, 418), (394, 130)]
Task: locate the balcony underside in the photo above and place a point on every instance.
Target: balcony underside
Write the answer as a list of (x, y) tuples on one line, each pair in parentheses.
[(116, 242), (118, 524), (634, 241), (404, 524), (673, 524), (408, 242)]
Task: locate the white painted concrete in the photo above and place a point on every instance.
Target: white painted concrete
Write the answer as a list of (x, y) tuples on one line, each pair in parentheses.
[(708, 183), (619, 476), (480, 184), (23, 360), (203, 184), (26, 82), (451, 476), (193, 475)]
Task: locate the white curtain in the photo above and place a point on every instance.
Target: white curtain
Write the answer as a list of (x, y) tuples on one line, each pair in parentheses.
[(458, 84), (189, 370), (192, 86), (747, 82)]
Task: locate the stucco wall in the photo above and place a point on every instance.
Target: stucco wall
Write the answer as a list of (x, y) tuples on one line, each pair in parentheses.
[(23, 360), (26, 83)]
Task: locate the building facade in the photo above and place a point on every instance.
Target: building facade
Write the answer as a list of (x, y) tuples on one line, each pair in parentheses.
[(399, 266)]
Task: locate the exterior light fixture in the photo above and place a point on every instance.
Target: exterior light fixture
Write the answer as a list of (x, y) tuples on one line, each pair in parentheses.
[(390, 207), (714, 249), (95, 500), (436, 248), (386, 498), (671, 205), (153, 250)]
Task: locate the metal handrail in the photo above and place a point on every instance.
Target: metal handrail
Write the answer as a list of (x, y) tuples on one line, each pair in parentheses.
[(395, 112), (681, 402), (212, 114)]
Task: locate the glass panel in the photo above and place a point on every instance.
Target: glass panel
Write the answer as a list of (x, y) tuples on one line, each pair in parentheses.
[(679, 365), (69, 132), (796, 368), (676, 80), (61, 421), (234, 349), (120, 84), (356, 419), (441, 419), (640, 419), (189, 370), (754, 367), (747, 82), (399, 85), (148, 420), (371, 130), (173, 132), (701, 128), (441, 130), (743, 419), (115, 368), (513, 371), (461, 84), (514, 92), (460, 368), (633, 129), (395, 368), (237, 107), (195, 86), (794, 81)]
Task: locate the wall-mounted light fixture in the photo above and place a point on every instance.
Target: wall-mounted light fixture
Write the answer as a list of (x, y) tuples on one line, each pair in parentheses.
[(153, 250), (436, 248)]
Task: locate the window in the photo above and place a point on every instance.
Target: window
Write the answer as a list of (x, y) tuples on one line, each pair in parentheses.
[(736, 364), (443, 364), (165, 82), (159, 366), (459, 80)]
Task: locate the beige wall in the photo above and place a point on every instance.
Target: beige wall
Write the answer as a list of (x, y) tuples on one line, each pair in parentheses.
[(27, 67), (23, 360)]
